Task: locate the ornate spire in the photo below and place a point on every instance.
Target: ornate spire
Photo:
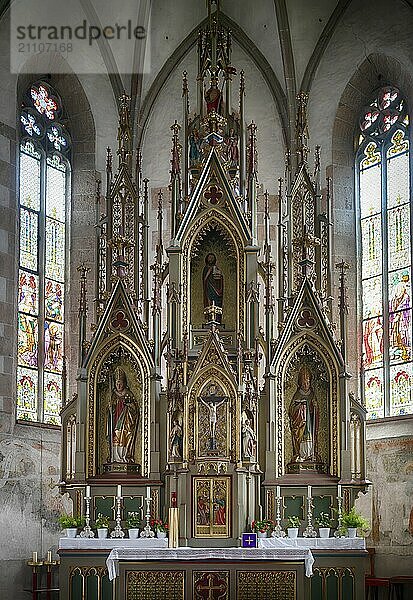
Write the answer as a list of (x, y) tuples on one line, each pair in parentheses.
[(124, 130), (83, 270), (176, 152), (252, 160), (301, 128)]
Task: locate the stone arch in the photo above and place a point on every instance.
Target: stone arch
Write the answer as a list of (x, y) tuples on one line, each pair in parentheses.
[(80, 122), (376, 71), (186, 45)]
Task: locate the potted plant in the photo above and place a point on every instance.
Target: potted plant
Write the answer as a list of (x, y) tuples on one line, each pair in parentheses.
[(323, 522), (261, 527), (293, 526), (133, 523), (70, 524), (353, 521), (102, 525), (160, 527)]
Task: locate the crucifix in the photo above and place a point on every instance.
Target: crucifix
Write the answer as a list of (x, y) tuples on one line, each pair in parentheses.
[(210, 587), (212, 403)]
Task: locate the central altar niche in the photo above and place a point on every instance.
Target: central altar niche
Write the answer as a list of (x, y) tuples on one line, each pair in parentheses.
[(214, 290)]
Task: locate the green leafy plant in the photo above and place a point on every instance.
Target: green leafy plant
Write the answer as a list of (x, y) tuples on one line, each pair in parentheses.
[(133, 521), (68, 522), (262, 526), (323, 520), (294, 521), (355, 519), (102, 521)]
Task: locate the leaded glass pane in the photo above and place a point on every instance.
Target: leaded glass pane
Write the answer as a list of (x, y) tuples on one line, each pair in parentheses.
[(401, 402), (400, 335), (28, 293), (373, 342), (370, 191), (53, 300), (399, 237), (28, 239), (371, 246), (52, 398), (55, 249), (30, 180), (53, 346), (374, 393), (27, 340), (398, 180), (55, 189), (372, 297), (26, 394)]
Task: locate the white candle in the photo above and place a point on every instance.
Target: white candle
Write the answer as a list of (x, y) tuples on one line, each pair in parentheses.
[(88, 491), (49, 556), (278, 491), (309, 491), (119, 492), (339, 491), (34, 557), (148, 492)]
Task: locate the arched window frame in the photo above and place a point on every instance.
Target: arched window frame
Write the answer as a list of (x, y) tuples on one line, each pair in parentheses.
[(385, 135), (44, 186)]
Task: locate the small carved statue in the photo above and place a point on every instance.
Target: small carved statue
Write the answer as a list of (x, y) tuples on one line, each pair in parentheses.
[(303, 416), (249, 440), (213, 282), (176, 440), (122, 421)]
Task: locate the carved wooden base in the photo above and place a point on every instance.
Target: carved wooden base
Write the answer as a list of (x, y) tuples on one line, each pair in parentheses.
[(122, 468), (306, 467)]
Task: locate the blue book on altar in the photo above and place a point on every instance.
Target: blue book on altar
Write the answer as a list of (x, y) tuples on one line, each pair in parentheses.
[(249, 540)]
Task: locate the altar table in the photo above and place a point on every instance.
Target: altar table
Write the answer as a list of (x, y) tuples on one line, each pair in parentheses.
[(123, 569), (203, 554)]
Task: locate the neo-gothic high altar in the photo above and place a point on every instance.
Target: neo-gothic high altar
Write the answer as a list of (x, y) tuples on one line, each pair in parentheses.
[(214, 373)]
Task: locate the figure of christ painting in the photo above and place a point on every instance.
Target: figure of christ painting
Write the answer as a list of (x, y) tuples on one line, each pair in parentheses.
[(213, 282), (202, 510), (122, 421), (303, 415)]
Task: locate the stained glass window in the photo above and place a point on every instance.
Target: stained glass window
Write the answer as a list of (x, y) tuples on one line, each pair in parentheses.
[(43, 189), (383, 160)]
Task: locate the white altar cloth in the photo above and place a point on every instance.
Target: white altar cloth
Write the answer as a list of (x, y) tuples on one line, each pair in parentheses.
[(314, 543), (186, 553), (78, 543)]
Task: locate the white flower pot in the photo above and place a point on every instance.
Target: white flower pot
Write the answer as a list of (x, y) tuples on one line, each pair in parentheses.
[(133, 533), (71, 532), (292, 532), (161, 535), (352, 532), (102, 533), (324, 532), (262, 534)]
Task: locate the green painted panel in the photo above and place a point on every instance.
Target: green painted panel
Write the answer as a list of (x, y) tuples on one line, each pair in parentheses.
[(107, 588), (92, 587), (347, 587), (316, 587), (322, 504), (105, 506), (293, 506), (76, 587), (132, 504), (332, 587)]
